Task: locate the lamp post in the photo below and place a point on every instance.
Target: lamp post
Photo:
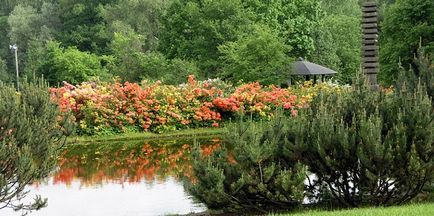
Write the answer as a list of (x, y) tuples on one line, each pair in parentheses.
[(15, 49)]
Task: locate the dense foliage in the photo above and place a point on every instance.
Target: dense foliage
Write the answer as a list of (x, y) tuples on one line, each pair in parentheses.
[(78, 40), (30, 137), (253, 173), (359, 148), (408, 25), (367, 147), (259, 56), (337, 39)]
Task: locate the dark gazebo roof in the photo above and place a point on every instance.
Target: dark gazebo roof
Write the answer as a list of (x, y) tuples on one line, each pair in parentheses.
[(303, 67)]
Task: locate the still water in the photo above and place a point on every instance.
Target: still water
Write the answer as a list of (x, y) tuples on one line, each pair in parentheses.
[(121, 179)]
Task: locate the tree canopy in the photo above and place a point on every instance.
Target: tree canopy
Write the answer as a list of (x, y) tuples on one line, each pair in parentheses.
[(209, 38), (407, 25)]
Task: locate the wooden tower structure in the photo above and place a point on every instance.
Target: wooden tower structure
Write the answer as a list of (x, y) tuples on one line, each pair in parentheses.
[(370, 50)]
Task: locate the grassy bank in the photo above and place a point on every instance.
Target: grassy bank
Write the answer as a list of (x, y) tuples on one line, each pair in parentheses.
[(148, 135), (414, 209)]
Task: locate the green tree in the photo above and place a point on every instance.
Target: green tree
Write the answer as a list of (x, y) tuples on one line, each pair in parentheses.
[(348, 8), (30, 139), (126, 47), (294, 20), (141, 15), (155, 66), (24, 22), (338, 38), (82, 25), (258, 56), (4, 39), (133, 63), (179, 70), (34, 59), (4, 75), (70, 65), (193, 30), (338, 45), (8, 5), (407, 25), (30, 27)]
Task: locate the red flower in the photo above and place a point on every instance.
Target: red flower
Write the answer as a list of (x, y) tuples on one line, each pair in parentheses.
[(287, 106)]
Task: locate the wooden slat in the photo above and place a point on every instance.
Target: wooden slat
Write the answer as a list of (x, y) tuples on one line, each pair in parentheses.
[(368, 48), (370, 31), (369, 4), (371, 14), (369, 42), (370, 36), (370, 25), (370, 65), (369, 9), (370, 53), (370, 59), (370, 70), (370, 20)]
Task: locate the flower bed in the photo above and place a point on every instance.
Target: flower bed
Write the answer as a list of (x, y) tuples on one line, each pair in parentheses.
[(101, 108)]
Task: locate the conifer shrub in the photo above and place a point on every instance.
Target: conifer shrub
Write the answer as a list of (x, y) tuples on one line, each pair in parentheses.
[(31, 132), (366, 147), (422, 74), (250, 172)]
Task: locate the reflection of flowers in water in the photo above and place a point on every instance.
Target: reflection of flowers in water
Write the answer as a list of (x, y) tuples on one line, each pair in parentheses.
[(127, 164)]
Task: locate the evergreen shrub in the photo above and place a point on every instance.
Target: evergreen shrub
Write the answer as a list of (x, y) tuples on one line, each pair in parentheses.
[(251, 172), (359, 148), (367, 147), (31, 131)]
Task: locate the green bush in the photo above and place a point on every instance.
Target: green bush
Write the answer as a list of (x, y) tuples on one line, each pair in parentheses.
[(154, 66), (4, 76), (30, 137), (70, 65), (259, 56), (365, 147), (251, 172)]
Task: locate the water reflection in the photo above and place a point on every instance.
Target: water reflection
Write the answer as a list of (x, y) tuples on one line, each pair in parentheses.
[(128, 162), (112, 179)]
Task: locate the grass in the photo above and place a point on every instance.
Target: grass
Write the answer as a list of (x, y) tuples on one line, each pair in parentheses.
[(147, 135), (420, 209)]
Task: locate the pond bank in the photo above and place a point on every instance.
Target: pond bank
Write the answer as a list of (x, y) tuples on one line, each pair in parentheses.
[(187, 133)]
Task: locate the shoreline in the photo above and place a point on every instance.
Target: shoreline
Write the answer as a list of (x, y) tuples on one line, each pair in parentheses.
[(131, 136)]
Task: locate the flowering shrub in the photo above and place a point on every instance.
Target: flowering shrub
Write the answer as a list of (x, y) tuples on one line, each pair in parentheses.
[(101, 108)]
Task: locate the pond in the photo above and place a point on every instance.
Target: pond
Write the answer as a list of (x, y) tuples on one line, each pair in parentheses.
[(121, 179)]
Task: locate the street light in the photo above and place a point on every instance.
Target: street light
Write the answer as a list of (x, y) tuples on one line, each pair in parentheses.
[(15, 49)]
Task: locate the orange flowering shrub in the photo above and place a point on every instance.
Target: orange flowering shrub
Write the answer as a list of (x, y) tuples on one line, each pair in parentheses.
[(259, 101), (101, 108)]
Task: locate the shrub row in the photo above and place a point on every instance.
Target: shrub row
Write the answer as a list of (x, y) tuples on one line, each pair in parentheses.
[(101, 108)]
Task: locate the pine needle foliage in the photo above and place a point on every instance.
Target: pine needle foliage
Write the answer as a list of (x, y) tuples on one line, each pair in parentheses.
[(30, 138), (422, 74), (367, 147), (250, 172)]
